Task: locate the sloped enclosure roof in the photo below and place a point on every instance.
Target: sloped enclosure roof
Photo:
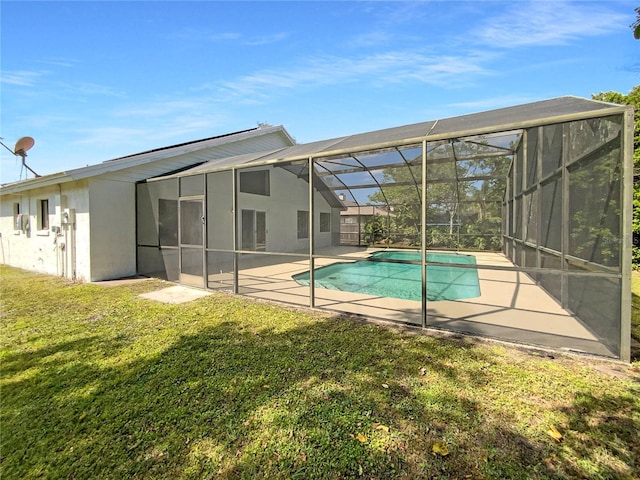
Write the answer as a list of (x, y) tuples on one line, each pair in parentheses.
[(500, 120)]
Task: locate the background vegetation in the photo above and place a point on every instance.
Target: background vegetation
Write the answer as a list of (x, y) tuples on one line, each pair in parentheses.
[(632, 98)]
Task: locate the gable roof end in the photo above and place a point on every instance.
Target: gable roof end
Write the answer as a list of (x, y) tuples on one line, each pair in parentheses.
[(142, 158)]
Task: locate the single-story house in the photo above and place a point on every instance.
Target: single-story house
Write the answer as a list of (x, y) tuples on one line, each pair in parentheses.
[(81, 223)]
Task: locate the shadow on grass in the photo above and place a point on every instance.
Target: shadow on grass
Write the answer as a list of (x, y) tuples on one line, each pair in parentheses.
[(308, 402), (57, 355), (599, 425)]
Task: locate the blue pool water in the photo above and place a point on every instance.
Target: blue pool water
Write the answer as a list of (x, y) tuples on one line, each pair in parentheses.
[(382, 276)]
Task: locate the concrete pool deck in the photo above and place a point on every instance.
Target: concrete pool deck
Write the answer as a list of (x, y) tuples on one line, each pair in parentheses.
[(510, 306)]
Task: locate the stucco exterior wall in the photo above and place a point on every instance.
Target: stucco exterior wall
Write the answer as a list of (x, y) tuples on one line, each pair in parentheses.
[(62, 248), (288, 195), (113, 229)]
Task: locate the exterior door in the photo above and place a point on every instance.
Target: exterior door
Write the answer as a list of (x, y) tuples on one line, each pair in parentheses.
[(254, 230), (191, 234)]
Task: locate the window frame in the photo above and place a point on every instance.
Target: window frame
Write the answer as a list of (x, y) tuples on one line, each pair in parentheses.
[(43, 214)]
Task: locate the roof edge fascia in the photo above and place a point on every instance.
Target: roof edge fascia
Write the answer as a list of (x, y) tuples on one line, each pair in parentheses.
[(33, 183)]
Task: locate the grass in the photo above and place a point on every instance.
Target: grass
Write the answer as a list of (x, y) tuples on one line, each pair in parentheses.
[(635, 316), (98, 383)]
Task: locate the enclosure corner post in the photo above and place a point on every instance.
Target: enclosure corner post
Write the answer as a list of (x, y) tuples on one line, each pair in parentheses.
[(423, 234), (312, 295), (627, 235), (234, 189)]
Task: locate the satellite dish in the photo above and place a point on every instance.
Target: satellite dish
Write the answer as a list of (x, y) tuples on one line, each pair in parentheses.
[(22, 145)]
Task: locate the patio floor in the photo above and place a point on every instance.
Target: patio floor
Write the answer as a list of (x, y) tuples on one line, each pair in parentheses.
[(511, 306)]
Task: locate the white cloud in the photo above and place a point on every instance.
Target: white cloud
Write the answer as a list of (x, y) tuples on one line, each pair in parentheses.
[(193, 34), (160, 108), (22, 78), (87, 88), (547, 23), (267, 39), (372, 38), (108, 136), (163, 121), (222, 37), (203, 35), (58, 62), (492, 103), (376, 69)]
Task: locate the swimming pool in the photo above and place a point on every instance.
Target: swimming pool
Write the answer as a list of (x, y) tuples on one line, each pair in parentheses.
[(384, 275)]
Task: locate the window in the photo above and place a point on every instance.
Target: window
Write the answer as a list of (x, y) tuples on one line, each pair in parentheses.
[(303, 224), (256, 182), (254, 230), (16, 217), (325, 222), (43, 214)]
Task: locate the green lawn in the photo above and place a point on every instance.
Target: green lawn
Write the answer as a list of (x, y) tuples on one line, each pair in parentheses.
[(98, 383), (635, 316)]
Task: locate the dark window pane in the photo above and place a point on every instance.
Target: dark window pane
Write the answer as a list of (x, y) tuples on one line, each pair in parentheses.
[(248, 230), (325, 222), (256, 182), (303, 224), (44, 214)]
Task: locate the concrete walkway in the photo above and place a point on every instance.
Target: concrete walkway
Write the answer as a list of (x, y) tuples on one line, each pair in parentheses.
[(176, 294)]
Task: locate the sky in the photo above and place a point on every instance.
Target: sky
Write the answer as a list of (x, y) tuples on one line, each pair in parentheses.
[(93, 81)]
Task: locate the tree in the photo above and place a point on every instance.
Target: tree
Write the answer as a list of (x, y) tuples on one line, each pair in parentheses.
[(636, 25), (633, 98), (465, 186)]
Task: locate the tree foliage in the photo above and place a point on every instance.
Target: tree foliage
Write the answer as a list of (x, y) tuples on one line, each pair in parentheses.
[(632, 98), (465, 187)]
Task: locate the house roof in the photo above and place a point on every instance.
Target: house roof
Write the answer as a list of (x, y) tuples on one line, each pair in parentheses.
[(504, 119), (141, 158)]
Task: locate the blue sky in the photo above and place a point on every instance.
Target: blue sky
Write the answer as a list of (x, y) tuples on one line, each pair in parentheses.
[(91, 81)]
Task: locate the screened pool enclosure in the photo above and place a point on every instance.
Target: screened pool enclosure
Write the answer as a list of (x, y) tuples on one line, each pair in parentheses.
[(513, 224)]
